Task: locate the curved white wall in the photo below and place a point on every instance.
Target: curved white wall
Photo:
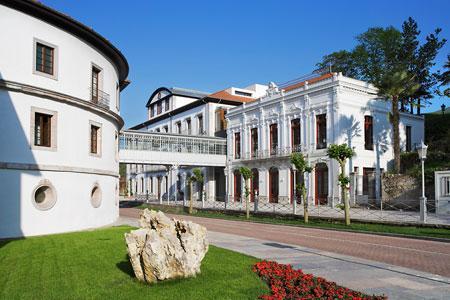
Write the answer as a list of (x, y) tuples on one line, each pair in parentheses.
[(70, 168)]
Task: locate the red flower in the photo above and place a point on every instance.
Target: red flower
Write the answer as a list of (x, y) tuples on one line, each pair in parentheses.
[(288, 283)]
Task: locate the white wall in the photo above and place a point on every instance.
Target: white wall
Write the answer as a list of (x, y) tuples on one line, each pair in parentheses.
[(70, 168), (75, 57)]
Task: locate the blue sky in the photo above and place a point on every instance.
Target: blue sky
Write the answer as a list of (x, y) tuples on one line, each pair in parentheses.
[(211, 45)]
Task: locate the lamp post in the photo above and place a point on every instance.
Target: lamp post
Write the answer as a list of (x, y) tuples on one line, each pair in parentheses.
[(422, 151), (294, 196)]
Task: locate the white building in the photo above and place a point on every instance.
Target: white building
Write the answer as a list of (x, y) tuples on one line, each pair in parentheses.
[(187, 113), (59, 122), (307, 116)]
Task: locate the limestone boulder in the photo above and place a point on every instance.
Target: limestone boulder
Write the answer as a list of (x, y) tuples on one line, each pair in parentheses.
[(165, 248)]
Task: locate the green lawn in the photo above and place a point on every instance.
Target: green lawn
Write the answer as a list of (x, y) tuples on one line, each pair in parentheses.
[(416, 231), (94, 265)]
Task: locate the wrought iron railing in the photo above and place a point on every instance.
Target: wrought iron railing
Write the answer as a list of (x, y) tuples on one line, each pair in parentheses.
[(163, 142), (267, 154), (101, 98)]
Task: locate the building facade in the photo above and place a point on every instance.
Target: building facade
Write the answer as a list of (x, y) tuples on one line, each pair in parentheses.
[(192, 114), (60, 83), (306, 117)]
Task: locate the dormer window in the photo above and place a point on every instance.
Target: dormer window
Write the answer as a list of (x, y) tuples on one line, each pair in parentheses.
[(241, 93), (159, 108)]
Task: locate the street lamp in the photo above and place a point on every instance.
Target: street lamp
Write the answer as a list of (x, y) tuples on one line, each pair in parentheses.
[(294, 201), (422, 151)]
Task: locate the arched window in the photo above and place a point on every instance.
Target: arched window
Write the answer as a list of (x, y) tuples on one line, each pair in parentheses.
[(321, 174), (298, 180), (254, 185), (273, 185), (237, 186)]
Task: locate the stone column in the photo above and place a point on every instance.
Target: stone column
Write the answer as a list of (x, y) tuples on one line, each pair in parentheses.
[(263, 192), (283, 185), (184, 187), (174, 181), (359, 181), (261, 131)]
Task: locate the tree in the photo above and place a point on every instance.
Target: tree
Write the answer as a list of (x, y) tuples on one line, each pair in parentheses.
[(198, 178), (444, 78), (421, 63), (247, 175), (301, 166), (341, 153), (341, 61), (386, 56), (393, 87)]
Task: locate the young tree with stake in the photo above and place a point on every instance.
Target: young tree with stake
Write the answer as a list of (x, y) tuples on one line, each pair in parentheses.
[(301, 166), (341, 153), (247, 175), (195, 177)]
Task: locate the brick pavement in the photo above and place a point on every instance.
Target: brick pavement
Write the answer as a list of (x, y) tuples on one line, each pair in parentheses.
[(422, 255)]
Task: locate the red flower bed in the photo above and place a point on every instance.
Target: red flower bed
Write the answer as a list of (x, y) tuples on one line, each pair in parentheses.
[(287, 283)]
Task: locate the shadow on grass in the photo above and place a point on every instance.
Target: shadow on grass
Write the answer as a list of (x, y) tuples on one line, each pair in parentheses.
[(125, 266), (4, 242)]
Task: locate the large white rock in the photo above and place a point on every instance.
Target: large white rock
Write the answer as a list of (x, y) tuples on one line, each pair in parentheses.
[(165, 248)]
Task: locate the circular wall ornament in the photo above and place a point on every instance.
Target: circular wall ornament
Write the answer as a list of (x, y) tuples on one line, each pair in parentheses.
[(96, 196), (44, 195)]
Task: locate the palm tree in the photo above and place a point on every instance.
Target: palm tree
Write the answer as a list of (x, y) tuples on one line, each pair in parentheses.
[(395, 86), (341, 153), (247, 175), (198, 178), (301, 166)]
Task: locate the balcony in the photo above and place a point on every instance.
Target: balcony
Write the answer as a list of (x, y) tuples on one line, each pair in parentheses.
[(99, 98), (270, 153)]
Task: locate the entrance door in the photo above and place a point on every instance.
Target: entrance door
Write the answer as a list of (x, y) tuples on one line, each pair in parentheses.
[(237, 186), (321, 171), (159, 188), (273, 185), (254, 185)]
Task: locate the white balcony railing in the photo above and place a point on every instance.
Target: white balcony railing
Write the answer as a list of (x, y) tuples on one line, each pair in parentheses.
[(164, 142), (270, 153)]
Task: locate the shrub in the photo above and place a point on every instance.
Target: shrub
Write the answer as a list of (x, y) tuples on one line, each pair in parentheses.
[(288, 283)]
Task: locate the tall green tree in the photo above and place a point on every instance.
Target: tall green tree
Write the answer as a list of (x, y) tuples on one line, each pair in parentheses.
[(247, 175), (444, 78), (386, 56), (421, 67), (196, 177), (393, 87), (341, 153), (301, 166)]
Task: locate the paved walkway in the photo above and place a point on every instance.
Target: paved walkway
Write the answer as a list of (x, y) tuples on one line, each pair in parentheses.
[(346, 258)]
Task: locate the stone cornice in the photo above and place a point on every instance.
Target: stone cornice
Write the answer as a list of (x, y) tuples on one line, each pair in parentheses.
[(60, 97), (55, 168)]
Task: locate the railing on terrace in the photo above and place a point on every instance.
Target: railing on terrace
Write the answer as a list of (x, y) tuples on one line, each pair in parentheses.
[(146, 141), (272, 153), (101, 99)]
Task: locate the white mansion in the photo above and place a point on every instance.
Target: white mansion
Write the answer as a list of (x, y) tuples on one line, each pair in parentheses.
[(59, 122), (264, 125), (186, 113), (306, 117)]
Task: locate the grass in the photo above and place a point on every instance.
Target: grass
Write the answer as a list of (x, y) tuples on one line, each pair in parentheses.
[(94, 265), (416, 231)]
